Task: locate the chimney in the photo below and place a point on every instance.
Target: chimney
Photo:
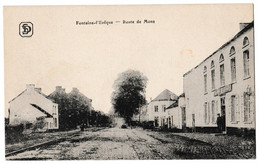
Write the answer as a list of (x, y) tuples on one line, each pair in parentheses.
[(38, 89), (243, 25), (58, 88), (75, 90), (30, 86)]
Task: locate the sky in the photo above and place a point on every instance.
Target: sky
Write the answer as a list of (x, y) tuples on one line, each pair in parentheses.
[(90, 57)]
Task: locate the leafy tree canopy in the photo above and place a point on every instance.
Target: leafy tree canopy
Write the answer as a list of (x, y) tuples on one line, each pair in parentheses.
[(129, 93)]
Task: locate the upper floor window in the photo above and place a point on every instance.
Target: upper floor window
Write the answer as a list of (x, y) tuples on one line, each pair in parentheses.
[(213, 79), (164, 108), (246, 63), (222, 75), (232, 51), (233, 69), (205, 69), (205, 83), (155, 108), (245, 41), (212, 65), (221, 58)]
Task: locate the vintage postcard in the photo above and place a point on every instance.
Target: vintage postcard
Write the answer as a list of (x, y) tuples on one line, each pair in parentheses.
[(129, 82)]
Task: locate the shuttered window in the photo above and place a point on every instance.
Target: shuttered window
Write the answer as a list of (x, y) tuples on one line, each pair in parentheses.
[(246, 63), (222, 75), (233, 108), (213, 79), (233, 69), (205, 112), (205, 83), (213, 112), (247, 112)]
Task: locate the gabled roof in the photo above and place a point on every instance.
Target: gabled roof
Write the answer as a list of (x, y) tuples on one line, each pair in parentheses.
[(165, 95), (17, 96), (26, 90), (42, 110)]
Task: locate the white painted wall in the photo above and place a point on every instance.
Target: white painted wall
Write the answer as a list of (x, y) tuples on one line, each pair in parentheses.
[(21, 111), (193, 83)]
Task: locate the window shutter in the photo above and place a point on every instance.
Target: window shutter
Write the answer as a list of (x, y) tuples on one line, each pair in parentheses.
[(209, 113), (237, 118), (205, 113), (252, 112), (242, 108), (216, 107), (228, 110)]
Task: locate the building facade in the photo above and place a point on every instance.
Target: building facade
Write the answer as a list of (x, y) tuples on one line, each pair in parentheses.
[(31, 106), (223, 84), (157, 108), (177, 114)]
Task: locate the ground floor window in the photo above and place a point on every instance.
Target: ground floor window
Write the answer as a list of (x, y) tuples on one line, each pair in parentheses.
[(233, 108), (55, 122), (247, 107), (206, 113), (213, 112)]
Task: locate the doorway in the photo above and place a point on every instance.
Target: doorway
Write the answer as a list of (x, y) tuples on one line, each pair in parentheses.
[(183, 113), (223, 113)]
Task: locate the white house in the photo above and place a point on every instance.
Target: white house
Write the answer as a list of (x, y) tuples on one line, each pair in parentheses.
[(224, 83), (157, 108), (177, 113), (31, 106)]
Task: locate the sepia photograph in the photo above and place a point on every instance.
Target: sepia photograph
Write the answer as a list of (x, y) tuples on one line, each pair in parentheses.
[(129, 82)]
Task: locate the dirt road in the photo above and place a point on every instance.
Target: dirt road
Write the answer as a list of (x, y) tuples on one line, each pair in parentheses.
[(116, 143)]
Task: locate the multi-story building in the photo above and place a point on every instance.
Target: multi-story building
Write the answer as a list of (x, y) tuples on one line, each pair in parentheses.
[(31, 106), (224, 83), (157, 108), (177, 113)]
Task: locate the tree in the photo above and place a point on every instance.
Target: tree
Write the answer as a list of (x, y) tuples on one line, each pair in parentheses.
[(129, 94)]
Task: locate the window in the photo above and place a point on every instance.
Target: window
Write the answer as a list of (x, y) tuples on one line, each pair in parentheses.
[(212, 65), (205, 83), (164, 108), (247, 112), (213, 79), (205, 69), (246, 63), (155, 108), (206, 113), (221, 58), (222, 75), (55, 122), (232, 51), (208, 119), (245, 41), (233, 108), (213, 119), (233, 69)]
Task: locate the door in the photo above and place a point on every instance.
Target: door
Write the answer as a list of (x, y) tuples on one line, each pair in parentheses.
[(193, 123), (183, 114), (223, 113)]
